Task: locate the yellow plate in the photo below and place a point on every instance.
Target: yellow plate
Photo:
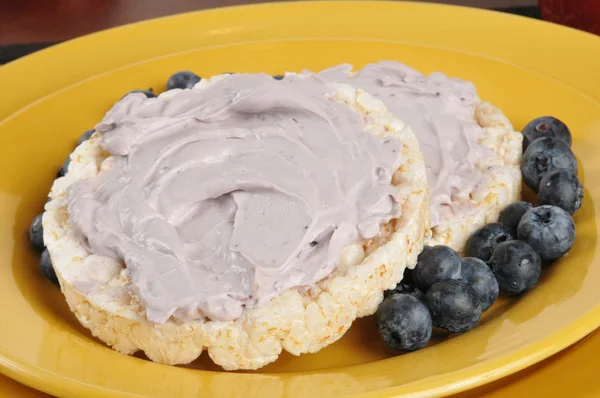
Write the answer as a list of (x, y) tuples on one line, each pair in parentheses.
[(527, 68), (539, 380)]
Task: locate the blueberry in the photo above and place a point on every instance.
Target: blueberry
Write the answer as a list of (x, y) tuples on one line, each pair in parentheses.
[(402, 288), (517, 267), (483, 241), (404, 322), (545, 126), (278, 77), (561, 188), (480, 277), (48, 268), (407, 277), (549, 230), (85, 136), (454, 305), (436, 264), (184, 79), (36, 233), (406, 286), (64, 168), (511, 215), (544, 155), (148, 93)]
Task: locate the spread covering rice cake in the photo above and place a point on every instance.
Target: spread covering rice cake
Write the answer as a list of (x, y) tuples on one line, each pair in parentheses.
[(471, 150), (155, 232)]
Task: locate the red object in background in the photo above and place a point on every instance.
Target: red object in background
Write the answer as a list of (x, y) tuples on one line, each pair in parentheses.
[(579, 14)]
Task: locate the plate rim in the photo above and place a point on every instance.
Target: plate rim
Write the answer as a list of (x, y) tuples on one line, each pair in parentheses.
[(26, 60), (57, 384)]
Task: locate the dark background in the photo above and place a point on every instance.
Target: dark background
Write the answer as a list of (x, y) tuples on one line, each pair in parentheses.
[(29, 25)]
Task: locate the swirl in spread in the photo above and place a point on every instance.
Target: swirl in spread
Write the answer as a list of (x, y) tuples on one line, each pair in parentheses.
[(440, 111), (224, 197)]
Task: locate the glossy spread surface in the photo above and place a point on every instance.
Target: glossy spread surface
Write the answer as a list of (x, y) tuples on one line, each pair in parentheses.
[(439, 110), (224, 197)]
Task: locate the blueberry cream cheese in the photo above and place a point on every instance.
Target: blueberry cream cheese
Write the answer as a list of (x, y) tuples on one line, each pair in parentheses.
[(222, 198), (243, 216), (471, 151)]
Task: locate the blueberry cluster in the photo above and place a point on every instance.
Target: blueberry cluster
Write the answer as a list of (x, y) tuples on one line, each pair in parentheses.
[(549, 166), (443, 290), (448, 292)]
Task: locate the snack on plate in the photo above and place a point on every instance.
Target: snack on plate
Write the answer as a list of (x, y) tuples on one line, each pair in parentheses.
[(471, 150), (244, 216)]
